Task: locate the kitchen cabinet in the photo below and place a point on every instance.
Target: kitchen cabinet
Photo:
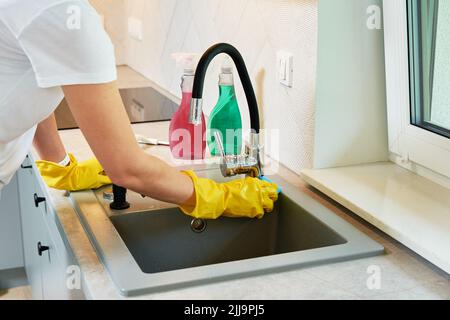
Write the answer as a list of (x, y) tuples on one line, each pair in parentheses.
[(32, 228), (54, 276), (11, 254), (47, 256)]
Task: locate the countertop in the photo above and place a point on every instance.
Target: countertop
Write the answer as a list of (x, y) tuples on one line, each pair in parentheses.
[(403, 274)]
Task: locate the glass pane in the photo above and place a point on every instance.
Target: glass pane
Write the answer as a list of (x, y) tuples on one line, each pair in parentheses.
[(429, 46)]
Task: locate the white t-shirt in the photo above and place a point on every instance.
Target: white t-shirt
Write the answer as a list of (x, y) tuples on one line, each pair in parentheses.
[(44, 44)]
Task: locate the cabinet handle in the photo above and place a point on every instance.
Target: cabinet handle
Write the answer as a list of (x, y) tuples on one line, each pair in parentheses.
[(26, 167), (38, 200), (42, 249)]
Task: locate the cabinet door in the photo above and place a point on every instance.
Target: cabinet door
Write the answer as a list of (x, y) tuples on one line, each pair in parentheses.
[(32, 229), (59, 282), (46, 268), (11, 255), (53, 273)]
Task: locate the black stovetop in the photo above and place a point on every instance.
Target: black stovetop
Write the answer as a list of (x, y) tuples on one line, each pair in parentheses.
[(142, 105)]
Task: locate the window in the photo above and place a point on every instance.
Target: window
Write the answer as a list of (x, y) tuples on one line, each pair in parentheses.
[(429, 57), (417, 51)]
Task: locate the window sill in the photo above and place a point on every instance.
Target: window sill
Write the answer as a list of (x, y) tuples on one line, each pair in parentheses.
[(408, 207)]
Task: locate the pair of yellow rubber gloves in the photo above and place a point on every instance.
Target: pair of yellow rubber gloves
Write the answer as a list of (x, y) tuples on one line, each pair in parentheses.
[(249, 197)]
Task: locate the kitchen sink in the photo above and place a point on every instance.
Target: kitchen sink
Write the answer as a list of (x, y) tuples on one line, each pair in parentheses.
[(154, 247), (164, 240)]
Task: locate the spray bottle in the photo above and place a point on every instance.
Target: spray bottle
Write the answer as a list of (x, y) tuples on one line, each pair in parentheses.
[(187, 141), (226, 117)]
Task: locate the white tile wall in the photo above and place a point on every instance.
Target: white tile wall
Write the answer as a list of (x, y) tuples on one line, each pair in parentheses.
[(258, 28)]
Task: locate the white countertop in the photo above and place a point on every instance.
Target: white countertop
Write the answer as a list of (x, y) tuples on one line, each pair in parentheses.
[(404, 275)]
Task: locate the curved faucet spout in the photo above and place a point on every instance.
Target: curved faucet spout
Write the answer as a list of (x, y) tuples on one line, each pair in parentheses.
[(197, 93), (250, 163)]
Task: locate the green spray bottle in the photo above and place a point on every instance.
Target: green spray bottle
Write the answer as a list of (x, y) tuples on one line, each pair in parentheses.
[(226, 117)]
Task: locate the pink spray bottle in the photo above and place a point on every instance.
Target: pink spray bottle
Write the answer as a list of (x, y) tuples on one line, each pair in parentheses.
[(187, 141)]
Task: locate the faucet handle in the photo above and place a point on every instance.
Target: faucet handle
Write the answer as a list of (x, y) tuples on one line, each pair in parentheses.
[(219, 143)]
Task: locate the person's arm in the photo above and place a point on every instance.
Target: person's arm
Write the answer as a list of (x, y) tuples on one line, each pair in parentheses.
[(99, 111), (47, 141)]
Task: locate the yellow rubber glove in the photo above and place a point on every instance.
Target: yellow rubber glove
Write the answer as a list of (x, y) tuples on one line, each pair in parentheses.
[(249, 197), (74, 177)]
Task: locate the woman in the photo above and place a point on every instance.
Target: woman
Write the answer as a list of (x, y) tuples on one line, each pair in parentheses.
[(50, 49)]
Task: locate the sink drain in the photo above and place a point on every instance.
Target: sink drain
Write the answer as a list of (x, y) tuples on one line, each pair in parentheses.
[(198, 225)]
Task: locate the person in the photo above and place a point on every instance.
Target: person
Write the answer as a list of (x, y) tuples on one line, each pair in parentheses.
[(51, 49)]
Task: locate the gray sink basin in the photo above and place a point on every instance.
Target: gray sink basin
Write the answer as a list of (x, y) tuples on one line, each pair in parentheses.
[(153, 247), (164, 241)]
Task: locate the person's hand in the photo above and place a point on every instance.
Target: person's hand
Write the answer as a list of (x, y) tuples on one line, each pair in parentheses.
[(74, 177), (249, 197)]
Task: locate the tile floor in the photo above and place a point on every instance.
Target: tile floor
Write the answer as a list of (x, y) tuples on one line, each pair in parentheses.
[(19, 293)]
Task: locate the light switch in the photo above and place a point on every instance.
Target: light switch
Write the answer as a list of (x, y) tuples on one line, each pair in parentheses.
[(283, 70), (135, 29), (285, 65)]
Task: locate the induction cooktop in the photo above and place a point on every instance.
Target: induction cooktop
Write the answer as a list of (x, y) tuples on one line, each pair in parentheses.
[(142, 105)]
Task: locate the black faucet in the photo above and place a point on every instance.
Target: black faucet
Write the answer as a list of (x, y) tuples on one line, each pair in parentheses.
[(199, 80), (230, 165)]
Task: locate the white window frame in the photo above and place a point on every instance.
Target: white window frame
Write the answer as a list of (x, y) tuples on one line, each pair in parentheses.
[(412, 147)]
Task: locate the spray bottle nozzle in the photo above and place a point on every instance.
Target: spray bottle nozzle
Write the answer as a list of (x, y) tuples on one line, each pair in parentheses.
[(227, 65)]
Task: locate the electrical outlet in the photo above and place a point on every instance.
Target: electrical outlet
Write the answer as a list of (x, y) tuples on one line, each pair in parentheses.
[(135, 29), (285, 67)]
